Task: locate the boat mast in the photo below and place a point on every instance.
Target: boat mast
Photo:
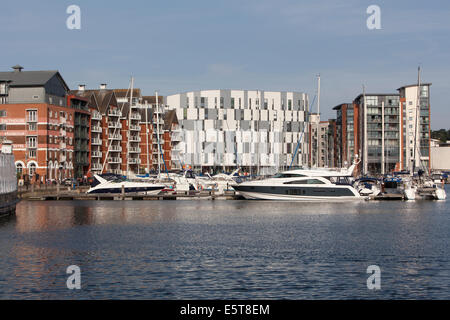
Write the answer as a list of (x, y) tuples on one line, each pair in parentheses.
[(318, 120), (157, 129), (416, 125), (365, 130), (146, 136), (129, 125)]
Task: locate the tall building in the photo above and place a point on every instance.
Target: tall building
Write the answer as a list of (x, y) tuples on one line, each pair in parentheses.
[(37, 117), (255, 130), (347, 134), (415, 124), (378, 138)]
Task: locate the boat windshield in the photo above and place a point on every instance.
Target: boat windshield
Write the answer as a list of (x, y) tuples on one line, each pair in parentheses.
[(288, 175)]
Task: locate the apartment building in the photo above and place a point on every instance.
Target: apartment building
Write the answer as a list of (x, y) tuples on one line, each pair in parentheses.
[(347, 134), (160, 135), (415, 127), (255, 130), (36, 116), (107, 153)]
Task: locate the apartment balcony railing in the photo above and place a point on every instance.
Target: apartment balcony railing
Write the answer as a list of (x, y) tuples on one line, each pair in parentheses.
[(96, 129), (96, 154), (114, 113), (115, 149), (96, 116), (135, 139), (115, 125), (135, 128), (175, 137), (134, 160), (135, 116), (96, 167), (116, 171), (115, 137), (161, 141), (62, 145), (135, 150), (96, 141), (114, 160)]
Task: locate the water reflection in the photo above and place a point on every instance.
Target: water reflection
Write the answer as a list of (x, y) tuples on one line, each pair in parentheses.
[(225, 249)]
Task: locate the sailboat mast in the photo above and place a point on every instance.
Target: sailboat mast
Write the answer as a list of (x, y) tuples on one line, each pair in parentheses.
[(146, 136), (129, 125), (157, 129), (318, 120)]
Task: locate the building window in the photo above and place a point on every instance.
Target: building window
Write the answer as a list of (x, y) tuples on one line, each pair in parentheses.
[(32, 126), (32, 115), (232, 103), (2, 113), (221, 102), (19, 169), (2, 126), (32, 153), (32, 169), (289, 104), (31, 142)]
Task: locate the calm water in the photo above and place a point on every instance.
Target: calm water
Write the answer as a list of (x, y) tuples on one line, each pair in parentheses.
[(225, 250)]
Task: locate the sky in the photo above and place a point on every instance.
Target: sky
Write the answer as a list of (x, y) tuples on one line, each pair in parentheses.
[(177, 46)]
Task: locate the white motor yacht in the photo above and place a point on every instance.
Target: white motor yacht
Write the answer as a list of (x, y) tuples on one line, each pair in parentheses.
[(115, 184), (303, 185)]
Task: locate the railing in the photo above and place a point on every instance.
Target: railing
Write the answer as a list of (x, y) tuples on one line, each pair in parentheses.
[(135, 150), (96, 154), (96, 116), (115, 137), (96, 141), (114, 125), (135, 128), (135, 139), (115, 149), (114, 160), (96, 166), (114, 113), (135, 116), (134, 160), (96, 129)]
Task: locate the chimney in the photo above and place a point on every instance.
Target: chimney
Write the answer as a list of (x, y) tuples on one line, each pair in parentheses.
[(81, 87), (17, 68), (103, 86)]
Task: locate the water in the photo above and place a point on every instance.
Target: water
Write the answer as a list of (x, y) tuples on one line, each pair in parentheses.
[(226, 250)]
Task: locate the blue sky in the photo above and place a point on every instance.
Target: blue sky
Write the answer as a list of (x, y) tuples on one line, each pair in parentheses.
[(174, 46)]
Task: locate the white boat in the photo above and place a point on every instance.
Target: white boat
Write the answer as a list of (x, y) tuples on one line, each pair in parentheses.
[(219, 183), (117, 185), (303, 185)]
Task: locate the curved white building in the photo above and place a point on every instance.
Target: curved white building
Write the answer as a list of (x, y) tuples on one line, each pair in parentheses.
[(253, 129)]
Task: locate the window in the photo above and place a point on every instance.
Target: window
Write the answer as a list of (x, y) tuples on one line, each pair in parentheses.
[(19, 169), (306, 181), (31, 142), (289, 104), (2, 126), (32, 169), (232, 103), (32, 126), (32, 153), (32, 115), (2, 113)]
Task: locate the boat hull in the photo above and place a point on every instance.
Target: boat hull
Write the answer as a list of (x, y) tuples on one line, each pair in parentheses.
[(342, 193), (8, 203)]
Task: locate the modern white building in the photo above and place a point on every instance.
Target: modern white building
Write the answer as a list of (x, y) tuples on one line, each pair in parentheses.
[(252, 129)]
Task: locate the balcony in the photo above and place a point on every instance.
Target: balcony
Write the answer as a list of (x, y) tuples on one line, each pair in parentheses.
[(115, 137), (135, 139), (161, 141), (134, 150), (134, 160), (115, 149), (96, 116), (135, 128), (114, 160), (116, 171), (96, 142), (114, 125), (96, 129), (135, 116), (96, 167), (96, 154), (114, 113), (176, 137)]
